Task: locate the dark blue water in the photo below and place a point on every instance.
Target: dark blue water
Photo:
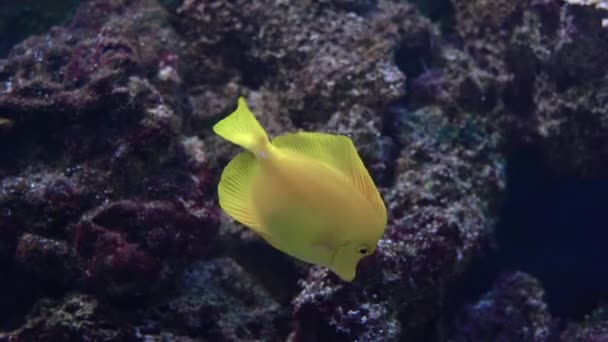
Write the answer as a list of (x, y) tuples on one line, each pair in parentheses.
[(555, 228)]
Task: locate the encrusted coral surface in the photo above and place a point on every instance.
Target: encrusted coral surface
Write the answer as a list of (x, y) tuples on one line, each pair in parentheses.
[(513, 310), (109, 226), (548, 63)]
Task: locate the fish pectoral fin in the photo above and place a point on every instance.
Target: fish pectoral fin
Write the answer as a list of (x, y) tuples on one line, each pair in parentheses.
[(324, 253), (234, 190), (322, 248), (339, 153), (326, 242)]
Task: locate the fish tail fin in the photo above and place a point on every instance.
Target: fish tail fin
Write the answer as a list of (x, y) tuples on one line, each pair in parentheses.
[(242, 128)]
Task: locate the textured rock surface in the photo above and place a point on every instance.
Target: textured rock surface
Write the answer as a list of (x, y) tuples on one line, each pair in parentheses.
[(548, 65), (594, 328), (108, 165), (514, 310), (99, 190), (105, 188), (218, 301), (74, 317)]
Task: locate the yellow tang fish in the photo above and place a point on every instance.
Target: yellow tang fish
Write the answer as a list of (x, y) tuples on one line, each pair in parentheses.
[(307, 194)]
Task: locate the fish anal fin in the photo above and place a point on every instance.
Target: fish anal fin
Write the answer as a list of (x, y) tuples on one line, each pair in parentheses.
[(234, 190), (338, 152)]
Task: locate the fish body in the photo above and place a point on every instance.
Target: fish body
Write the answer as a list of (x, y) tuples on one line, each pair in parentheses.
[(307, 194)]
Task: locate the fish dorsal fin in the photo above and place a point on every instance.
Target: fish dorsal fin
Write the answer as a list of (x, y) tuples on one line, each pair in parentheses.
[(234, 190), (338, 152)]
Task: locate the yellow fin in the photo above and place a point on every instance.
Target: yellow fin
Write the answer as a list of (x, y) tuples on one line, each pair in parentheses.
[(338, 152), (242, 128), (234, 189)]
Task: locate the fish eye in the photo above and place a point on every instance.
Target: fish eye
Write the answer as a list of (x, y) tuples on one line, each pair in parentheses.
[(363, 250)]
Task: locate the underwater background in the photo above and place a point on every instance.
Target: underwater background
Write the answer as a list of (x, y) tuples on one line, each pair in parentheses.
[(484, 124)]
